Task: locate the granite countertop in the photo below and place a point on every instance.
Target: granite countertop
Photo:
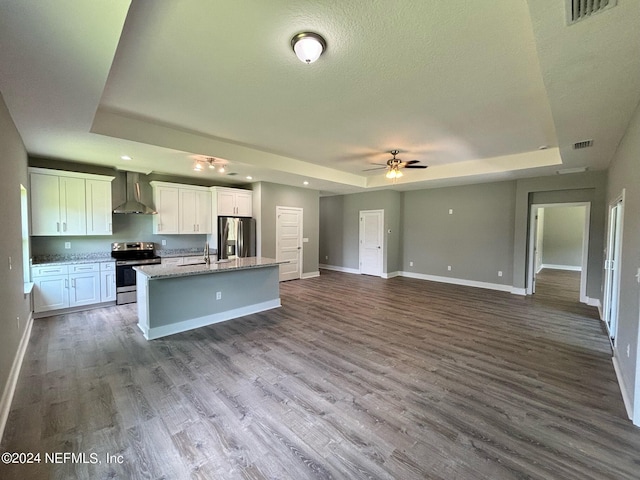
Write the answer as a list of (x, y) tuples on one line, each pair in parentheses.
[(154, 272), (71, 259)]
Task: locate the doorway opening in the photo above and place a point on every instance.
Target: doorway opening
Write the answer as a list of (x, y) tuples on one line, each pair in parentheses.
[(559, 241)]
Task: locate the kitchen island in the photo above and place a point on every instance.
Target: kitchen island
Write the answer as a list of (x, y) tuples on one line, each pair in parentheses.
[(177, 298)]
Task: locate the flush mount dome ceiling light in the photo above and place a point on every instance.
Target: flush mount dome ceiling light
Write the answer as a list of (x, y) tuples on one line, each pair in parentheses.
[(308, 46)]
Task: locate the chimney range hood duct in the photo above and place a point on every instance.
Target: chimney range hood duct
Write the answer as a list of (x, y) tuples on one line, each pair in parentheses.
[(134, 205)]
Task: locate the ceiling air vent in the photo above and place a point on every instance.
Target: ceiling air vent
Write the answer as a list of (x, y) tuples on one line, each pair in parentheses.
[(580, 9), (583, 144)]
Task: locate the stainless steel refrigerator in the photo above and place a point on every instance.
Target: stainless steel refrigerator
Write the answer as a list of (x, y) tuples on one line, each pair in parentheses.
[(236, 237)]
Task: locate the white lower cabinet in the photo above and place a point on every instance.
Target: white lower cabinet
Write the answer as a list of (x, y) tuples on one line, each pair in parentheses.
[(67, 286), (51, 293), (108, 282), (190, 260)]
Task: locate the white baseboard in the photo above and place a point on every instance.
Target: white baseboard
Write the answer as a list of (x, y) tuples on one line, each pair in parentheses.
[(571, 268), (12, 381), (628, 405), (310, 275), (336, 268), (390, 274), (163, 331), (519, 291), (459, 281)]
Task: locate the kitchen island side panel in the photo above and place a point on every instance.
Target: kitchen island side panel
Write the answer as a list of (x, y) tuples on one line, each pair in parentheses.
[(175, 304)]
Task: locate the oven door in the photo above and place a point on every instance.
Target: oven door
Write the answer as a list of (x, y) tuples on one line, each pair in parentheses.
[(125, 284), (125, 276)]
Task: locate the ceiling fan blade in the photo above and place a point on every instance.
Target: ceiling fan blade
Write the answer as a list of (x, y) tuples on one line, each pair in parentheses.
[(411, 162), (416, 166), (375, 168)]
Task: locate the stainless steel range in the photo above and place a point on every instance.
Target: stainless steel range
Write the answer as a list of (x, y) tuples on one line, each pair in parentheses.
[(129, 255)]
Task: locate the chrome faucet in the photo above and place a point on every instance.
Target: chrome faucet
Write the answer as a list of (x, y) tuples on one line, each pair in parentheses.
[(207, 260)]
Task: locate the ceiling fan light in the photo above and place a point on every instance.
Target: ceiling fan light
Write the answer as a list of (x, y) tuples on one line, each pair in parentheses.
[(391, 174), (398, 173), (308, 46)]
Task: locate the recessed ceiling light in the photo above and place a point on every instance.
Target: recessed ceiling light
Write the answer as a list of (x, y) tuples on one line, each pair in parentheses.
[(571, 170), (305, 183), (221, 170), (543, 147), (126, 157), (249, 177)]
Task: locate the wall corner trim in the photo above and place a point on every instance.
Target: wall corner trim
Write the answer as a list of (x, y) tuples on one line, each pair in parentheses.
[(628, 404), (12, 381), (391, 274), (519, 291), (310, 275)]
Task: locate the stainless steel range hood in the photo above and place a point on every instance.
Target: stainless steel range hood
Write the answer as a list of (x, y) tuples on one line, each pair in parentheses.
[(133, 203)]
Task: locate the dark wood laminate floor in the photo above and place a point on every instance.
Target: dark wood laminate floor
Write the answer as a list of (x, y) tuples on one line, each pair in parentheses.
[(354, 377)]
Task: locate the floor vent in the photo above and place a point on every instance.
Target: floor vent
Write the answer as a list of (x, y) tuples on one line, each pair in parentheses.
[(580, 9), (583, 144)]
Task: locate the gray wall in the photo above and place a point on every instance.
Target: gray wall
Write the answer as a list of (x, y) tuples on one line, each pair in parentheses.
[(15, 304), (579, 187), (476, 240), (271, 196), (562, 236), (339, 228), (624, 174)]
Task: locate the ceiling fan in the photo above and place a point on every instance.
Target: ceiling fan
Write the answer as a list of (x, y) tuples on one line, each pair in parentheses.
[(394, 165)]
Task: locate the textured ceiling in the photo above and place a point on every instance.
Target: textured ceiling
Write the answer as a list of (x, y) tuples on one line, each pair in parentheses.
[(472, 89)]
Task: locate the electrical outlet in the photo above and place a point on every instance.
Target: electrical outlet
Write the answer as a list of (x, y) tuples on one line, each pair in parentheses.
[(449, 267), (67, 245), (164, 242), (499, 273), (451, 211), (218, 295), (326, 257), (411, 264)]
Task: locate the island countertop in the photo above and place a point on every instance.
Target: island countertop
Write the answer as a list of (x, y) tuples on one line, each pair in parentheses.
[(154, 272)]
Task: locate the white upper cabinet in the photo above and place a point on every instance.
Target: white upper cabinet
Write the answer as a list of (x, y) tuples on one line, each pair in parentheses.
[(69, 203), (166, 199), (183, 209), (99, 208), (232, 202)]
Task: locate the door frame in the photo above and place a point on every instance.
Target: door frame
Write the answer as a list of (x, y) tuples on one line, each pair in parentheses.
[(585, 245), (300, 242), (606, 299), (360, 239)]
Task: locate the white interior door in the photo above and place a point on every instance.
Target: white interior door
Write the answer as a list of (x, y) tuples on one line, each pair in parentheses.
[(612, 268), (289, 242), (371, 238)]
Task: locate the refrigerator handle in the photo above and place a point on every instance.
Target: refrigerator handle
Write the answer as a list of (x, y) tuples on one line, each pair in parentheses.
[(240, 252)]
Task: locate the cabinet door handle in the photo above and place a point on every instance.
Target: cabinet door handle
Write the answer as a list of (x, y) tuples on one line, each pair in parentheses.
[(159, 227), (66, 283), (57, 226), (64, 226), (109, 228), (73, 283)]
